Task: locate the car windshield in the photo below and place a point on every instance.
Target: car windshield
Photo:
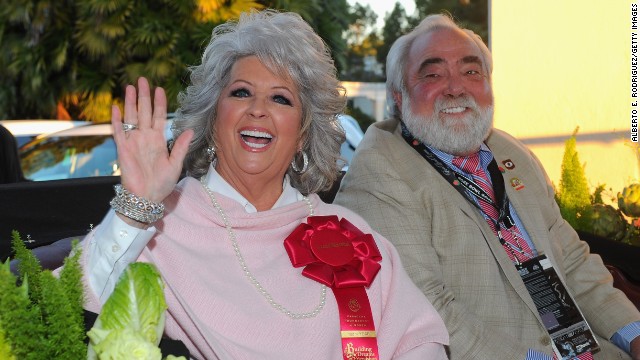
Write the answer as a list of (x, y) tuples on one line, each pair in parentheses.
[(23, 139), (56, 158)]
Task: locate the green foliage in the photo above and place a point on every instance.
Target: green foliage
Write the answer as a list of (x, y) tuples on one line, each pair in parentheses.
[(632, 236), (629, 204), (43, 321), (588, 212), (35, 49), (470, 14), (606, 221), (78, 55), (120, 41), (19, 317), (49, 323), (597, 195), (573, 196), (629, 200), (28, 267), (65, 326), (363, 21), (70, 277), (62, 303), (75, 57), (5, 348), (363, 40), (396, 24)]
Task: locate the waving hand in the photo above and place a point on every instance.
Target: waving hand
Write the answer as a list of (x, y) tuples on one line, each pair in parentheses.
[(148, 169)]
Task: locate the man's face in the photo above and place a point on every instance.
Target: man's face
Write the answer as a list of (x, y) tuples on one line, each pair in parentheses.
[(447, 102)]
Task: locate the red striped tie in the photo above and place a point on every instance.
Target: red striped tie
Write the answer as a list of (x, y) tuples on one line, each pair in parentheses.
[(514, 242)]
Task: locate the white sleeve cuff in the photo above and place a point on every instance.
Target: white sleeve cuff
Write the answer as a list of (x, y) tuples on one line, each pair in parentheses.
[(114, 245)]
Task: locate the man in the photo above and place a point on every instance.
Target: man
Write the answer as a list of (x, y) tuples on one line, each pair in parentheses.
[(473, 214)]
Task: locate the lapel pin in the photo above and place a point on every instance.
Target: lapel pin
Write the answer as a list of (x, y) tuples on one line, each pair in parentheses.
[(517, 184), (501, 169), (509, 164)]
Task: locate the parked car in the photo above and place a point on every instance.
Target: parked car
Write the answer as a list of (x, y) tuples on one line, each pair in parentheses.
[(27, 130), (73, 153), (83, 151)]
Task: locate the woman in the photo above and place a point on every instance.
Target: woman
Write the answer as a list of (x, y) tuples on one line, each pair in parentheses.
[(257, 128)]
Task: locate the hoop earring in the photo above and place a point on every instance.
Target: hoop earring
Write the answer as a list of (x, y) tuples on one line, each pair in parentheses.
[(211, 154), (305, 163)]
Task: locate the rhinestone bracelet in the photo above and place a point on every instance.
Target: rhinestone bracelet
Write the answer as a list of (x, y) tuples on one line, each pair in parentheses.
[(134, 207)]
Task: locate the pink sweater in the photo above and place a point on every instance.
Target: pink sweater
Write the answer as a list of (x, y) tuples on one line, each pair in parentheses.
[(217, 312)]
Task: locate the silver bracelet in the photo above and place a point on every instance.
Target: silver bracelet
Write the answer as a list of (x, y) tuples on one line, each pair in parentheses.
[(136, 208)]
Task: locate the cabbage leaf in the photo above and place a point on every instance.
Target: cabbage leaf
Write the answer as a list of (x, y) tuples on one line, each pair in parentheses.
[(136, 306)]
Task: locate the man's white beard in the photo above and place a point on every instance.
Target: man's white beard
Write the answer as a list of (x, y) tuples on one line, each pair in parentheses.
[(462, 136)]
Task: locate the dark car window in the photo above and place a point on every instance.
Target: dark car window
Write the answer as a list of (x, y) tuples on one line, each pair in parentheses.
[(69, 157)]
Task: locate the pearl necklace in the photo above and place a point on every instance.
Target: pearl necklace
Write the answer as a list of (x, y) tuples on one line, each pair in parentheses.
[(249, 275)]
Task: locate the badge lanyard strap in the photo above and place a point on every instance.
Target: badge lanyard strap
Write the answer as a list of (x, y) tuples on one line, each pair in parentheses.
[(504, 216)]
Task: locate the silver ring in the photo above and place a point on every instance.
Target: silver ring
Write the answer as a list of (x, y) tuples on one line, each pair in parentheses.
[(128, 127)]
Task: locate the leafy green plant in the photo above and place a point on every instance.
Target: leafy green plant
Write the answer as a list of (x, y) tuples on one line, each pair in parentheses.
[(588, 212), (41, 315), (5, 347), (573, 196), (606, 221), (629, 204), (629, 200)]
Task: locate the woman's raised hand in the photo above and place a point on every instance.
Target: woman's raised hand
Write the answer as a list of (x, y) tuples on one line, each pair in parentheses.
[(147, 167)]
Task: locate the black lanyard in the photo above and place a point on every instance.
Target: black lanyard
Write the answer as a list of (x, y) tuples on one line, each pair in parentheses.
[(504, 217)]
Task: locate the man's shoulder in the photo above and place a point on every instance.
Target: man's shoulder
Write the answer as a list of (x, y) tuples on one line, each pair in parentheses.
[(507, 148), (380, 135), (389, 125)]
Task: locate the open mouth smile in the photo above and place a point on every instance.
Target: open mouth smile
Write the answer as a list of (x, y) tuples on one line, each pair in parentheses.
[(256, 139), (454, 110)]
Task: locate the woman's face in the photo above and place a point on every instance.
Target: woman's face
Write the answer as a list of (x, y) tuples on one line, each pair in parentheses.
[(259, 117)]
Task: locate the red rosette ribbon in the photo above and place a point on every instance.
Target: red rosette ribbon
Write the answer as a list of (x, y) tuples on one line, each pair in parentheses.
[(334, 252), (337, 254)]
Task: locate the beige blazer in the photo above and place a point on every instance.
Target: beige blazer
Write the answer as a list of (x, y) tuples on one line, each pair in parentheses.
[(453, 256)]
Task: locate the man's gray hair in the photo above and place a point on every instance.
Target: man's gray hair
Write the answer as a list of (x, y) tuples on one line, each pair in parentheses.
[(397, 57), (289, 47)]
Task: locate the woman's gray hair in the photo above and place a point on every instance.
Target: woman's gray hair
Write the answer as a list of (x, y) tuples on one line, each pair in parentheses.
[(397, 57), (289, 47)]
